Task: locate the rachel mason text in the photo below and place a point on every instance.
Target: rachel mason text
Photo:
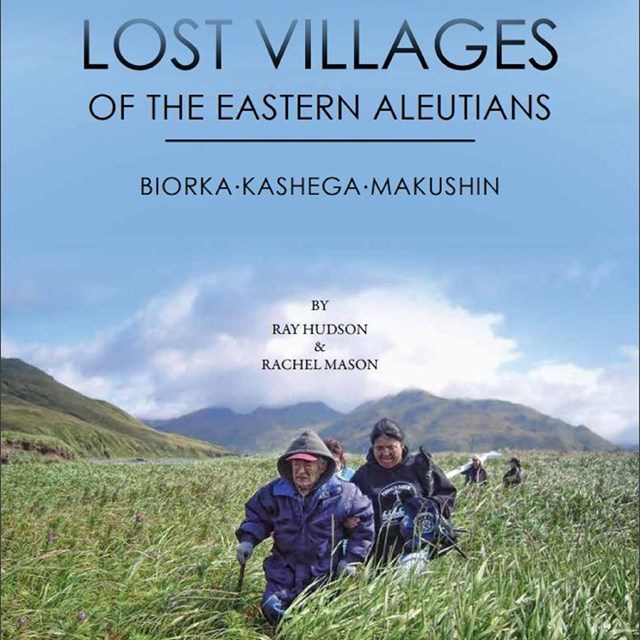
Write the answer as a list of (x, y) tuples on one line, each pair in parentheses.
[(320, 364), (319, 186)]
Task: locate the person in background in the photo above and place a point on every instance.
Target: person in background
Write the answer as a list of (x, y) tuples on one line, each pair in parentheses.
[(304, 510), (402, 486), (513, 476), (337, 451), (476, 473)]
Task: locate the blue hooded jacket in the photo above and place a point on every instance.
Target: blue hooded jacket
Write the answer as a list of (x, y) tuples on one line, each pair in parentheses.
[(307, 531)]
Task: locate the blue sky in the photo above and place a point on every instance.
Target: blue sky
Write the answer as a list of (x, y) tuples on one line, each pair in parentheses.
[(550, 266)]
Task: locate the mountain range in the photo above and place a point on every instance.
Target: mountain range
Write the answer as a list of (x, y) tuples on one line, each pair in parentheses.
[(440, 424), (38, 409), (38, 413), (264, 429)]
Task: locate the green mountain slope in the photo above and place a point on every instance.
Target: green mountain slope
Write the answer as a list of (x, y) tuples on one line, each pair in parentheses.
[(33, 403), (464, 425)]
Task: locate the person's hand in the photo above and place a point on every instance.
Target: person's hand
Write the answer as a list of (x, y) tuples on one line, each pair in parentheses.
[(244, 551), (345, 570), (351, 522)]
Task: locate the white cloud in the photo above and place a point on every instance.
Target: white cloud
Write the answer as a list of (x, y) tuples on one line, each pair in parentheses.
[(603, 399), (631, 352), (203, 345), (593, 276)]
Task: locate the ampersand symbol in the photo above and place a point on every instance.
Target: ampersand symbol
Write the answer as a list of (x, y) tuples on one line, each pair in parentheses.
[(319, 348)]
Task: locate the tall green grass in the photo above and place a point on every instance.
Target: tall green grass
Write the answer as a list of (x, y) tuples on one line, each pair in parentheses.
[(146, 552)]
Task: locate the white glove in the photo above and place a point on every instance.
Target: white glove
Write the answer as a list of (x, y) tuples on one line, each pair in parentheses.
[(345, 570), (244, 551)]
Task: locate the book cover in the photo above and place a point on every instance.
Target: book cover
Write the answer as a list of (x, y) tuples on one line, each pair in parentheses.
[(239, 207), (245, 205)]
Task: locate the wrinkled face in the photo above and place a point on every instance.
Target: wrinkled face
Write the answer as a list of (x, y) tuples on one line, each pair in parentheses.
[(387, 452), (306, 474)]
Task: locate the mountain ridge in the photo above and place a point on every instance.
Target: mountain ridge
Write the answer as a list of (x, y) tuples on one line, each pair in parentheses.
[(441, 424), (266, 428)]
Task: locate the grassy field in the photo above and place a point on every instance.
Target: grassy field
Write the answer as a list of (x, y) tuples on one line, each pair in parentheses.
[(146, 552)]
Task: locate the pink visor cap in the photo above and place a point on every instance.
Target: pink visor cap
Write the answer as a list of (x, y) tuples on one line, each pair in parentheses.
[(303, 456)]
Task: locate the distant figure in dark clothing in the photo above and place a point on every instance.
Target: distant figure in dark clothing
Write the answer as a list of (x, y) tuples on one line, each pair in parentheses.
[(476, 473), (401, 485), (513, 476)]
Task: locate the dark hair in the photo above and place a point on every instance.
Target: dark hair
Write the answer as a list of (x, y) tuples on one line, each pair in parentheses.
[(388, 428), (336, 449), (515, 461)]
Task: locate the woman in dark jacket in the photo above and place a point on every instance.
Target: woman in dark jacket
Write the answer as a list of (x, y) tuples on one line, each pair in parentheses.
[(396, 481)]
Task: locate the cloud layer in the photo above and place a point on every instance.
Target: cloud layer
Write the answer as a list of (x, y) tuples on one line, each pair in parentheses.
[(203, 345)]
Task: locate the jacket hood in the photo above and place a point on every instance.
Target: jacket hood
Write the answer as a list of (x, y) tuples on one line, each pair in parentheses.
[(307, 442)]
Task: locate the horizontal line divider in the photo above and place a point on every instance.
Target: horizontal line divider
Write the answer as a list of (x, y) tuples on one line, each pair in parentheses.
[(321, 140)]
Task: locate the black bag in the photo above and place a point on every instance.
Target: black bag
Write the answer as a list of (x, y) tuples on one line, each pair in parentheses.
[(424, 469)]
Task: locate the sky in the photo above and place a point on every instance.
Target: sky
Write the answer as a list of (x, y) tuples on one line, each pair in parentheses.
[(164, 305)]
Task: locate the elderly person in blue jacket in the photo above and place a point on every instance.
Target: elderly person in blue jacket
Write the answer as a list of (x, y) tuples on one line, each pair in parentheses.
[(309, 512)]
